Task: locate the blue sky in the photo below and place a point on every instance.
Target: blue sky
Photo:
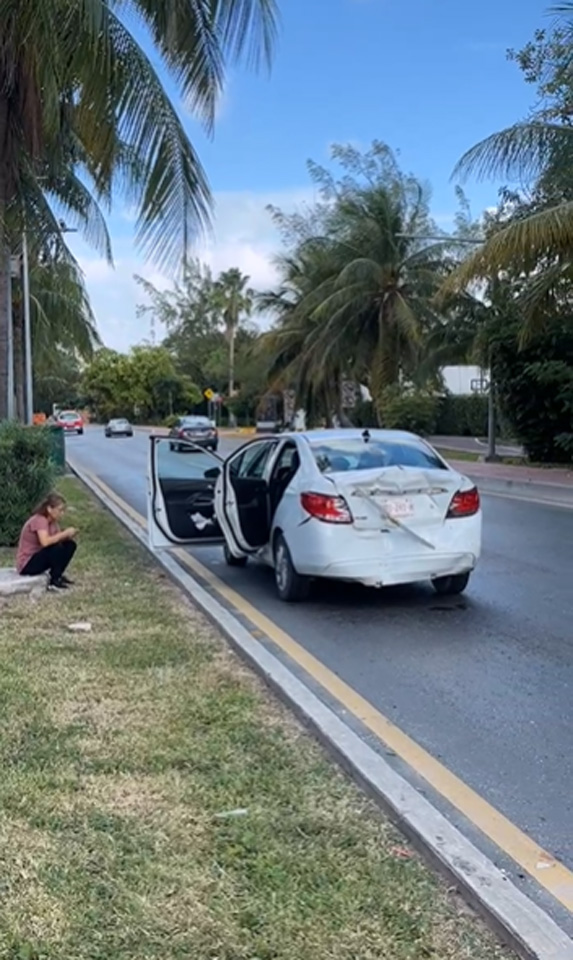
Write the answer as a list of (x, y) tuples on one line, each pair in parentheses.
[(428, 77)]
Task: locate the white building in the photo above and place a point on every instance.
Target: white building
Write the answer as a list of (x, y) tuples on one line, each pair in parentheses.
[(464, 380)]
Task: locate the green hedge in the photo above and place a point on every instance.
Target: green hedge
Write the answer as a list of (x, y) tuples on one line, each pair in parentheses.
[(26, 475), (462, 416), (415, 411)]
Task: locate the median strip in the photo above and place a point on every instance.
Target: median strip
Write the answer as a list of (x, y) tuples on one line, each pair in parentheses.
[(159, 803)]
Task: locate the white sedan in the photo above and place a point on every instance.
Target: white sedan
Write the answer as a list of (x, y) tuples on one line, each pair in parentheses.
[(377, 507)]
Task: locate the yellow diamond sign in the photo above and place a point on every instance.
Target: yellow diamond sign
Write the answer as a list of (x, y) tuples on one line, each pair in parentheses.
[(208, 394)]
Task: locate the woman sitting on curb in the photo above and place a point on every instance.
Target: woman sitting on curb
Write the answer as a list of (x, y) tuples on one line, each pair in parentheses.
[(43, 547)]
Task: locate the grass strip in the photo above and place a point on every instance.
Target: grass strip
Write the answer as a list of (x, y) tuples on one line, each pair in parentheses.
[(157, 803)]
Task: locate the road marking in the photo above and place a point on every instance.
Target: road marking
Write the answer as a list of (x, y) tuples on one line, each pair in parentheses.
[(533, 859)]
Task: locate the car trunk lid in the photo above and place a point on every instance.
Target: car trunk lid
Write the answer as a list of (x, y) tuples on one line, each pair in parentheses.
[(407, 499)]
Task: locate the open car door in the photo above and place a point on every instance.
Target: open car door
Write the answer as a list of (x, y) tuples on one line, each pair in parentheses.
[(181, 494), (243, 503)]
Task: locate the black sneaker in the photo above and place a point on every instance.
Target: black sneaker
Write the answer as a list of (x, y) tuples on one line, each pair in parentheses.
[(56, 585), (66, 581)]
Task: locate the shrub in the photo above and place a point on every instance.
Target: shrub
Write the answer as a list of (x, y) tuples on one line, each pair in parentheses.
[(26, 475), (409, 410), (172, 419), (462, 416), (535, 389)]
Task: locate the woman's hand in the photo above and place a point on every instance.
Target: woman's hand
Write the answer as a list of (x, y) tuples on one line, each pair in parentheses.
[(70, 533)]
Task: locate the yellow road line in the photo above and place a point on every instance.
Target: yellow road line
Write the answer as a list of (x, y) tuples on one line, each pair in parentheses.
[(533, 859)]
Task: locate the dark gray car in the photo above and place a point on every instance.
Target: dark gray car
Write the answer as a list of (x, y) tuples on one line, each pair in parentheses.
[(197, 430)]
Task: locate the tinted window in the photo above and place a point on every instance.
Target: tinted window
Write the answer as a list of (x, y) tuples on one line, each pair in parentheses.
[(253, 461), (69, 416), (354, 454), (196, 422)]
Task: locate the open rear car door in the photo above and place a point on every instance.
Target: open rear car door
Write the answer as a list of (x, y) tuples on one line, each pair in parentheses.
[(243, 498), (181, 494)]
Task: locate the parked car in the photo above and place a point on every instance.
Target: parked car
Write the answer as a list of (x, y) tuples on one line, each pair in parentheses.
[(377, 507), (200, 431), (71, 421), (120, 427)]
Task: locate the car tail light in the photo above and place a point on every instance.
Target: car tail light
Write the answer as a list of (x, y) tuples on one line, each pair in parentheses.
[(326, 508), (181, 434), (465, 503)]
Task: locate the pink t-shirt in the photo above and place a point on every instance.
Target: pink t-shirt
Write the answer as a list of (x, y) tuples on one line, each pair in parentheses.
[(29, 543)]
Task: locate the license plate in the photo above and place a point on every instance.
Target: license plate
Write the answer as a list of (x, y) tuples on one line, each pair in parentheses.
[(399, 509)]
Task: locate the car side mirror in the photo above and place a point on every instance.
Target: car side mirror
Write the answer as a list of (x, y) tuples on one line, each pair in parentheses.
[(212, 473)]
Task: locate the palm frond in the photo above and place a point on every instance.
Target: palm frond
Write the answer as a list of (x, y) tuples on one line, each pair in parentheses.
[(521, 152), (518, 248)]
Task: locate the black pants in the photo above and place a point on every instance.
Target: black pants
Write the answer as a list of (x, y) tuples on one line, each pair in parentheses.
[(54, 560)]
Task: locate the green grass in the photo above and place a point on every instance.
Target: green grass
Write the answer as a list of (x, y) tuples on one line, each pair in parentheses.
[(126, 753), (459, 455)]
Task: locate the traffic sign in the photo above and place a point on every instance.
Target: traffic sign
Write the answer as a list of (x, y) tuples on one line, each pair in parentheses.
[(208, 394)]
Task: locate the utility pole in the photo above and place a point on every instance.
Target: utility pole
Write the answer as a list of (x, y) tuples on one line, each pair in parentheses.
[(28, 374), (10, 383)]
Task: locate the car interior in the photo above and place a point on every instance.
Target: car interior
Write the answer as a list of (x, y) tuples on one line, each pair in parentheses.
[(371, 456), (257, 498), (187, 490)]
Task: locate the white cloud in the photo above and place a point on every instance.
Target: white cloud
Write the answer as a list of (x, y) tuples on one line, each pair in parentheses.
[(244, 236)]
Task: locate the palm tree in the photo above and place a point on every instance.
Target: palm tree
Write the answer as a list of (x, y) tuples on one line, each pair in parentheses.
[(535, 238), (234, 300), (81, 102), (367, 306)]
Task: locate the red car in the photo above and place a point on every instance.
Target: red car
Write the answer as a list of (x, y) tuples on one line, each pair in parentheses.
[(71, 421)]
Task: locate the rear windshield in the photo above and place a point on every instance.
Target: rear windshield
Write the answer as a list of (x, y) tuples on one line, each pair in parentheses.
[(69, 416), (196, 422), (338, 456)]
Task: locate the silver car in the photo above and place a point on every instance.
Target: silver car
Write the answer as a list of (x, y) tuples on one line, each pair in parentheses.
[(119, 428)]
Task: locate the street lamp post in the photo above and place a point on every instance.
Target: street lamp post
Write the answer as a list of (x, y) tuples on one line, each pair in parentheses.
[(10, 383), (28, 372)]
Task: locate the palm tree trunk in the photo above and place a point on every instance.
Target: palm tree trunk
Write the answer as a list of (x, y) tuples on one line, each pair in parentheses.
[(231, 361), (385, 364)]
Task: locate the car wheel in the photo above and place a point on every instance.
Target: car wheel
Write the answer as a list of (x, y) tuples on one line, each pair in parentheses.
[(291, 586), (233, 561), (451, 586), (80, 432)]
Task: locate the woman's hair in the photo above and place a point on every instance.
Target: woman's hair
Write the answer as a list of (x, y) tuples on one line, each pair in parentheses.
[(53, 500)]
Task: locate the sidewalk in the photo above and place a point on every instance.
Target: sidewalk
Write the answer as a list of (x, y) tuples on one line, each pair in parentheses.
[(555, 485)]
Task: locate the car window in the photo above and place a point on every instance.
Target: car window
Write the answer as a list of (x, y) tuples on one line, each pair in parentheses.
[(287, 460), (339, 456), (69, 416), (196, 422), (251, 464), (192, 465)]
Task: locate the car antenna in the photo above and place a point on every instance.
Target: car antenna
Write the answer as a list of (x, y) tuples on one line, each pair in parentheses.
[(366, 435)]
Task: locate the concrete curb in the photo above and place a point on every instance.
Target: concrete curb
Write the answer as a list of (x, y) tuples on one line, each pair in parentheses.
[(557, 494), (524, 926)]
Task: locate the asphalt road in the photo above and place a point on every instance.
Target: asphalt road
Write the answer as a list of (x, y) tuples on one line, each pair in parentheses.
[(477, 445), (483, 682)]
